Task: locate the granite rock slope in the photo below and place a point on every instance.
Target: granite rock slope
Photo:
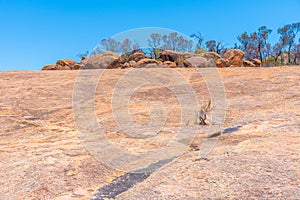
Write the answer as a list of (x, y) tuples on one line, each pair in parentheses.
[(257, 156)]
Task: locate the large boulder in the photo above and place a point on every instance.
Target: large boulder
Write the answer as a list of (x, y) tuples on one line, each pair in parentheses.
[(148, 63), (221, 63), (211, 54), (248, 63), (137, 56), (234, 56), (173, 56), (256, 62), (105, 60), (77, 66), (170, 64), (199, 62), (65, 64), (55, 67), (128, 64), (49, 67)]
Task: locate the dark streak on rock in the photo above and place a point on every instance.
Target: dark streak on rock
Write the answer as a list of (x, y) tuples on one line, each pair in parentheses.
[(231, 130), (128, 180)]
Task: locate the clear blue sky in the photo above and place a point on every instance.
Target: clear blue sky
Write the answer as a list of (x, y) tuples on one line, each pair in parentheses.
[(36, 32)]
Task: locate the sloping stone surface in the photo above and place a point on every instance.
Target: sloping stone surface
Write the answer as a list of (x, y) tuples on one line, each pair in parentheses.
[(257, 156)]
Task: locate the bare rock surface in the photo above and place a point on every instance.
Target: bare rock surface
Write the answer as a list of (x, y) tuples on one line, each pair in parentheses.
[(257, 156)]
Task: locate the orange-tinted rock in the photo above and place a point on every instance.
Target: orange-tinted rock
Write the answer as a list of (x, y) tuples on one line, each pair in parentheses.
[(43, 156), (137, 56), (105, 60), (173, 56), (128, 64), (56, 67), (148, 62), (77, 66), (221, 63), (256, 62), (66, 62), (214, 54), (247, 63), (49, 67), (234, 56), (170, 64)]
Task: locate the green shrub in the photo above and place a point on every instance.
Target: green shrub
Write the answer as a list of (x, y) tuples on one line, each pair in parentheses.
[(160, 59), (201, 50)]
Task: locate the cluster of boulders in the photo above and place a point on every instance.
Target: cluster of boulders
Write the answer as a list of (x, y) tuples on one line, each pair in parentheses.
[(65, 64), (253, 63), (167, 58)]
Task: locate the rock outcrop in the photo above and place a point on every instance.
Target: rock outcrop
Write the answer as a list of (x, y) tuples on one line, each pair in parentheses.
[(221, 63), (248, 63), (211, 54), (105, 60), (170, 64), (256, 62), (137, 56), (65, 64), (167, 58), (148, 62), (50, 67), (43, 155), (176, 57), (235, 57), (128, 64), (199, 62)]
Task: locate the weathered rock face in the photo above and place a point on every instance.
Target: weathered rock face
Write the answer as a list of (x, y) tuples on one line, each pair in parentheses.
[(77, 66), (256, 62), (170, 64), (128, 64), (248, 63), (221, 63), (65, 64), (49, 67), (42, 155), (105, 60), (148, 63), (218, 60), (199, 62), (235, 57), (137, 56), (169, 55), (169, 58), (213, 54), (173, 56)]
